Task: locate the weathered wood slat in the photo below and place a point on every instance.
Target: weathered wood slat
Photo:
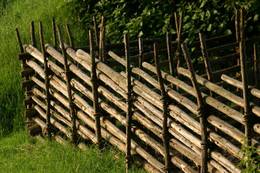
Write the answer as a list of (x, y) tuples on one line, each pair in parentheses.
[(255, 92), (226, 128), (214, 88), (222, 47), (209, 100), (256, 110), (54, 122), (232, 81), (173, 94), (257, 128), (225, 162)]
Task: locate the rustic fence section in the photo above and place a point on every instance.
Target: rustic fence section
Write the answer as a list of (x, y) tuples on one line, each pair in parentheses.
[(173, 121)]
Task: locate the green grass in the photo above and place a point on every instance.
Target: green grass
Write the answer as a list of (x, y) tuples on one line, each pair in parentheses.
[(20, 14), (20, 154)]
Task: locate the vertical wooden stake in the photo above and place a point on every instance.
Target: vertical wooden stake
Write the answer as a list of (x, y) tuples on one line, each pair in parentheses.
[(102, 40), (141, 52), (244, 79), (178, 28), (71, 43), (95, 89), (164, 98), (256, 66), (201, 112), (24, 65), (169, 53), (237, 27), (129, 104), (69, 89), (178, 24), (205, 57), (54, 33), (32, 31), (95, 30), (19, 40), (47, 82), (176, 19)]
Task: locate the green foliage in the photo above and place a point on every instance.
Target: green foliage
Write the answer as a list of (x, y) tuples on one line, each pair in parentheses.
[(251, 160), (18, 153), (19, 14), (154, 17)]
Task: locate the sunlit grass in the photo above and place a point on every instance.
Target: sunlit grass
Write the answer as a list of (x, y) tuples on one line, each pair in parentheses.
[(21, 154), (20, 14)]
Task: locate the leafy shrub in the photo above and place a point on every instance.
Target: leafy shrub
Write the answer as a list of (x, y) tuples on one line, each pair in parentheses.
[(154, 17), (251, 160)]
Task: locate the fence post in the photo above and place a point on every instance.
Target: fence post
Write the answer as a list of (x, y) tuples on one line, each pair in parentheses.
[(164, 98), (94, 81), (32, 32), (205, 56), (169, 53), (95, 30), (237, 28), (201, 112), (140, 52), (102, 40), (178, 24), (244, 79), (129, 103), (54, 33), (71, 43), (69, 89), (237, 22), (256, 66), (19, 40), (47, 82), (26, 73)]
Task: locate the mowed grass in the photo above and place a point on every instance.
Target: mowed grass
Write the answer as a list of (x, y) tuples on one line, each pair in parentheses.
[(20, 154)]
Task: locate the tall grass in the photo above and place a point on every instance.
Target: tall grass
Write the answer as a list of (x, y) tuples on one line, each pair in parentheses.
[(19, 14), (21, 154)]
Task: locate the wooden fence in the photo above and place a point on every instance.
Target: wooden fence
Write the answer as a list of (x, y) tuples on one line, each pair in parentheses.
[(173, 118)]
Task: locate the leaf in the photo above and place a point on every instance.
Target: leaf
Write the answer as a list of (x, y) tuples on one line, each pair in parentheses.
[(256, 18), (209, 28), (203, 3)]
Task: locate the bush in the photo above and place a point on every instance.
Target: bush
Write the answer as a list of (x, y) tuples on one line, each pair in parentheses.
[(152, 18), (251, 160)]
